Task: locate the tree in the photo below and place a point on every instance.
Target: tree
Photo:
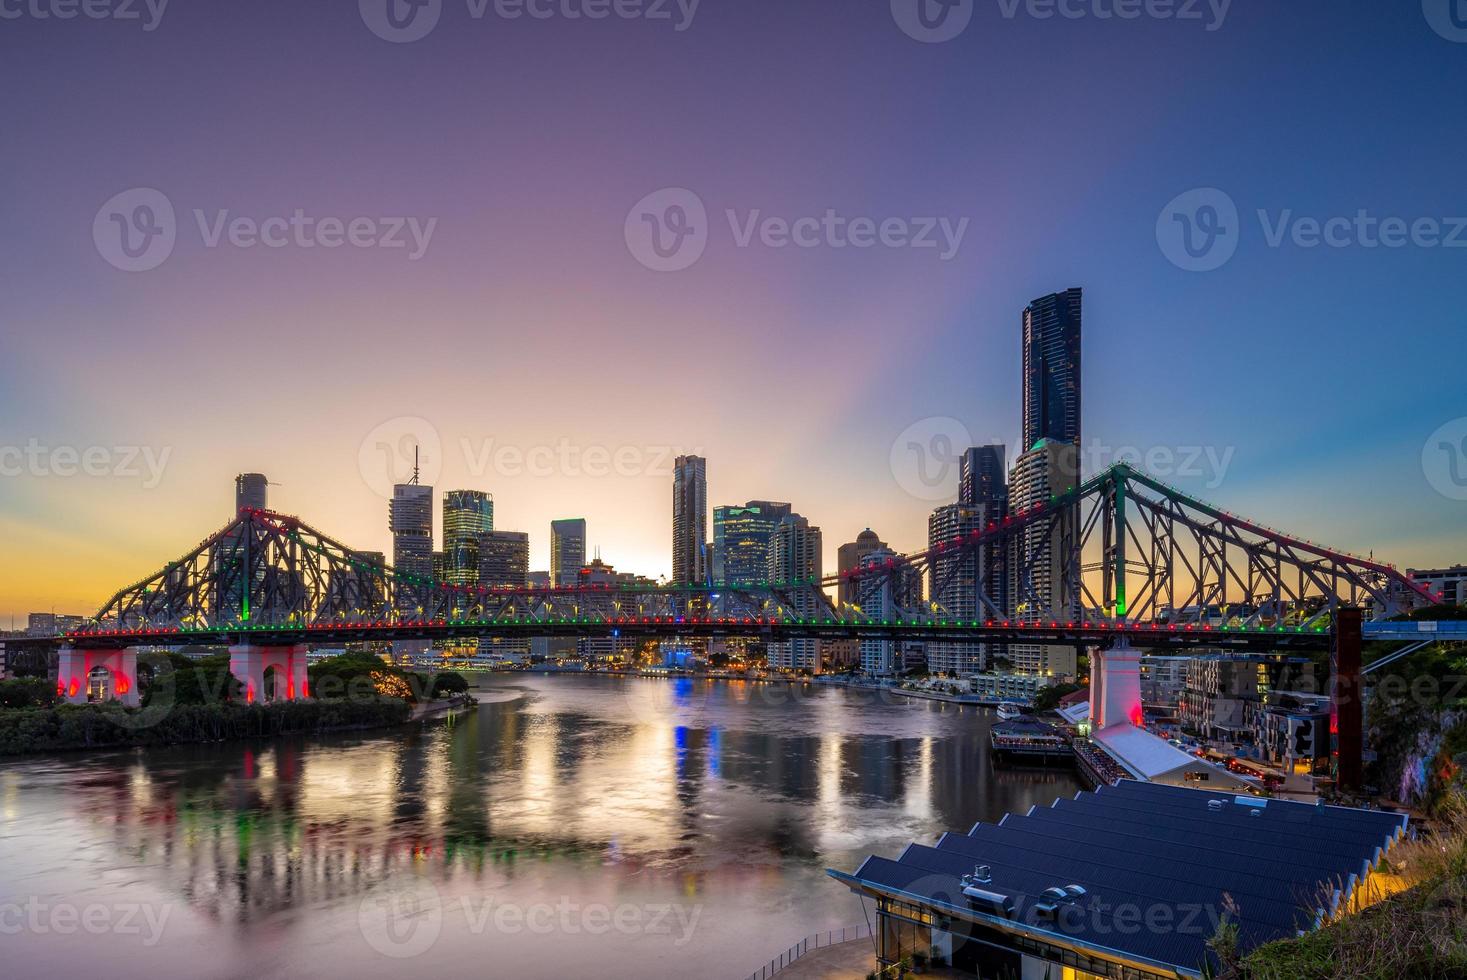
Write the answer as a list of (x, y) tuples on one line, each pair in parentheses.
[(1049, 697)]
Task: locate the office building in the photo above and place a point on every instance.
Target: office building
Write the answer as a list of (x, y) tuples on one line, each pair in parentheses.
[(690, 520), (250, 492), (410, 519), (1051, 383), (1044, 557), (982, 478), (467, 516), (504, 559), (795, 556), (741, 536), (567, 550)]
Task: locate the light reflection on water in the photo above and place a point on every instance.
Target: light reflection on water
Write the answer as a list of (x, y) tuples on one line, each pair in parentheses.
[(703, 814)]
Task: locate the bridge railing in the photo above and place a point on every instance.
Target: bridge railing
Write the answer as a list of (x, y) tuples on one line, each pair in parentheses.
[(817, 941)]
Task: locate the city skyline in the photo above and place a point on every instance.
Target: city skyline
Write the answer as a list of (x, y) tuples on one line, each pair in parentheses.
[(1234, 360)]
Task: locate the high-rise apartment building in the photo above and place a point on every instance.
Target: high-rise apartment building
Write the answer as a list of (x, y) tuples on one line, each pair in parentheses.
[(1051, 345), (981, 477), (690, 519), (467, 516), (884, 596), (795, 556), (955, 580), (250, 491), (1044, 559), (741, 536), (567, 550)]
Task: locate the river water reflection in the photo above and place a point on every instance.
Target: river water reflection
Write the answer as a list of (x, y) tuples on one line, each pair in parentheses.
[(570, 827)]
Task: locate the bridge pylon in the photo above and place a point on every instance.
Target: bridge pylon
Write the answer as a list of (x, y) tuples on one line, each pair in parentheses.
[(74, 675), (251, 664)]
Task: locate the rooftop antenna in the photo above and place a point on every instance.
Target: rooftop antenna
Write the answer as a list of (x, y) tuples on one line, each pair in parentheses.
[(414, 480)]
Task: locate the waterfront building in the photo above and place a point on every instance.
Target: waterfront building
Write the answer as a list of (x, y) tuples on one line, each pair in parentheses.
[(504, 562), (1221, 687), (603, 649), (1042, 893), (1008, 686), (954, 586), (795, 556), (881, 597), (1051, 381), (846, 652), (1163, 679), (690, 520), (250, 492), (1043, 562), (741, 536), (567, 549)]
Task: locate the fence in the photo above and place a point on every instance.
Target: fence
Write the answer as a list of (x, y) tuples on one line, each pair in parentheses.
[(832, 938)]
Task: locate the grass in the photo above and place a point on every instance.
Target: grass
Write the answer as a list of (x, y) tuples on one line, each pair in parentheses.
[(1414, 925)]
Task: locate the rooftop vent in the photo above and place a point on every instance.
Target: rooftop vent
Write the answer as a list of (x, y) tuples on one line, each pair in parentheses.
[(991, 902), (983, 874), (1215, 805)]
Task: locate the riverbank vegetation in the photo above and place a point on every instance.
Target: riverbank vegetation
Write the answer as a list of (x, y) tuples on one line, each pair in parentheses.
[(186, 699)]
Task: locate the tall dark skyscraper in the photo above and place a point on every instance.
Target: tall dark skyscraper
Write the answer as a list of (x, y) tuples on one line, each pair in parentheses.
[(741, 536), (982, 479), (1052, 369), (690, 519), (467, 514)]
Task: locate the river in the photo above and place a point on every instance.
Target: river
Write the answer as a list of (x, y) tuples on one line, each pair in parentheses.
[(571, 826)]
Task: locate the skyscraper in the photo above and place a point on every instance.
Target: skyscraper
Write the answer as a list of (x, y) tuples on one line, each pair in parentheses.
[(1052, 369), (690, 519), (504, 559), (848, 557), (981, 478), (956, 577), (250, 491), (410, 519), (795, 556), (567, 550), (1043, 565), (467, 515), (741, 536)]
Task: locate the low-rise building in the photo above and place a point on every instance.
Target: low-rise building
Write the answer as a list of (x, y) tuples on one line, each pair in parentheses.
[(1220, 688), (1449, 583), (1291, 730), (1008, 686)]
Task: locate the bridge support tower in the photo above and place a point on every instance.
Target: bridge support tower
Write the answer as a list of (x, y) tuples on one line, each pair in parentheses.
[(251, 663), (1115, 686), (74, 673)]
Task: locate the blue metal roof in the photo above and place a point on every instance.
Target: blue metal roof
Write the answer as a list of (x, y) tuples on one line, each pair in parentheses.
[(1166, 853)]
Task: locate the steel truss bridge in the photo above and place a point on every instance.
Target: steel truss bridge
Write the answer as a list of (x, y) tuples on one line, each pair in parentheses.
[(1121, 556)]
